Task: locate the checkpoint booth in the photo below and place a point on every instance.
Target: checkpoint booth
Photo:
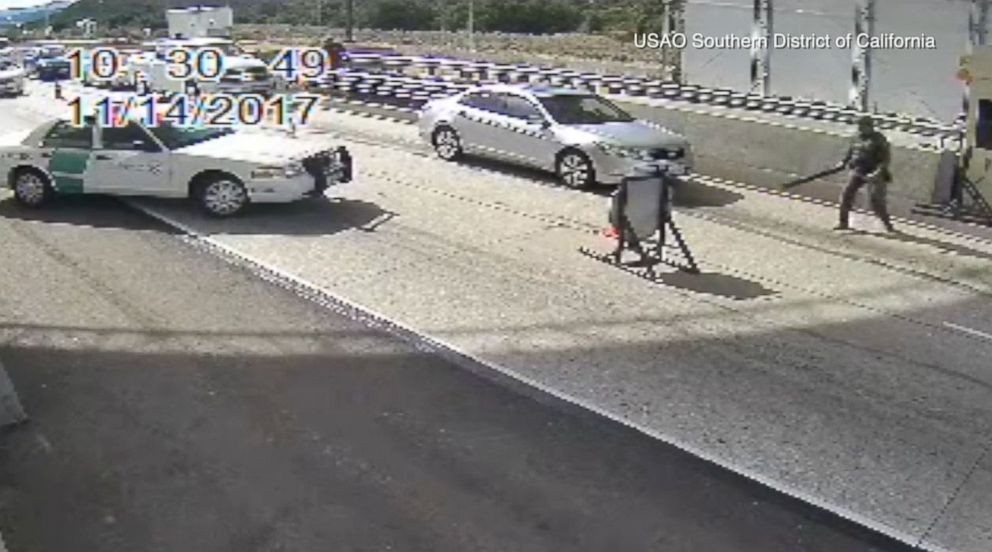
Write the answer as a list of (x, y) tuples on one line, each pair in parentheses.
[(976, 163)]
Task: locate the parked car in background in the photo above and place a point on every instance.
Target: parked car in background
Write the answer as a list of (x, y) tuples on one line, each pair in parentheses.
[(11, 78), (53, 69), (122, 78), (582, 137)]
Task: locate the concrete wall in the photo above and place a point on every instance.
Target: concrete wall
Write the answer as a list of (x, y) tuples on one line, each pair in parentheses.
[(767, 154)]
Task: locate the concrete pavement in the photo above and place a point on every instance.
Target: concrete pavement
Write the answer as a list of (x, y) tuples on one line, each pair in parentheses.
[(181, 403), (823, 365), (850, 370)]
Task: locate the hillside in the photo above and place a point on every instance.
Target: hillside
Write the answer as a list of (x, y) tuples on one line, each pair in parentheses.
[(19, 15), (528, 16)]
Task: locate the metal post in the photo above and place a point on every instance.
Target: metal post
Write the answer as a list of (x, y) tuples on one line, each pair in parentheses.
[(761, 59), (349, 32), (675, 21), (864, 25), (978, 26), (666, 30), (471, 25)]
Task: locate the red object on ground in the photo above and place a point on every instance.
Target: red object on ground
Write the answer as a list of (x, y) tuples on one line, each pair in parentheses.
[(611, 233)]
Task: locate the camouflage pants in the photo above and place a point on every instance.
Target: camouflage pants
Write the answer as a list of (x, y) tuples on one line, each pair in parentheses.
[(877, 198)]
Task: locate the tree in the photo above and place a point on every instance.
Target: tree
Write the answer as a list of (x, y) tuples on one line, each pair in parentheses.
[(531, 16), (402, 15)]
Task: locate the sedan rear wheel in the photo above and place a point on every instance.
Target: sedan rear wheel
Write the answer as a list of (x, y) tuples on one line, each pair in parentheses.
[(31, 188), (575, 170), (447, 144), (223, 197)]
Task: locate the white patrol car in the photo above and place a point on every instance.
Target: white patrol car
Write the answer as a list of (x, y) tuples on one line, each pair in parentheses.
[(221, 169)]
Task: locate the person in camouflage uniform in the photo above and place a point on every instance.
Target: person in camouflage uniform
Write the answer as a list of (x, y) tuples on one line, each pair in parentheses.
[(868, 159)]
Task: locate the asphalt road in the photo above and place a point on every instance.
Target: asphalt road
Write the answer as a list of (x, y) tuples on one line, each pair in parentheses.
[(181, 403)]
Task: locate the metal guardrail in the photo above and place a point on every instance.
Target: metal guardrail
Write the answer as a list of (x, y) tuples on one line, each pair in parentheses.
[(450, 75)]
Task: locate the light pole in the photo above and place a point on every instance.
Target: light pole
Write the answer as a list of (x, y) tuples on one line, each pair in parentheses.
[(864, 26), (471, 25), (349, 11), (761, 60), (978, 27)]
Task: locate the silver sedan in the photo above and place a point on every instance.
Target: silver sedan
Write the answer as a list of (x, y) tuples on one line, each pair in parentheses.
[(580, 136)]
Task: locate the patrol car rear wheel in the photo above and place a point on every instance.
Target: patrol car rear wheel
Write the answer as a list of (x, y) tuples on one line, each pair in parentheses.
[(447, 144), (575, 170), (223, 197), (31, 188)]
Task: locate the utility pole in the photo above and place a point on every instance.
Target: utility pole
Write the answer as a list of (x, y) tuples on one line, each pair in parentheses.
[(349, 33), (762, 29), (864, 26), (978, 31), (675, 23), (471, 25)]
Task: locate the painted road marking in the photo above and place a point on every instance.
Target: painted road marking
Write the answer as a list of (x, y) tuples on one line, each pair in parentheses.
[(968, 330)]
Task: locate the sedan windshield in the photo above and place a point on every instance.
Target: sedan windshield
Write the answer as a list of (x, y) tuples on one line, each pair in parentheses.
[(583, 110), (179, 137)]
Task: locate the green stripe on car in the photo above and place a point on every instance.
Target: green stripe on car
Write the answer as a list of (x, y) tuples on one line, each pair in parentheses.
[(68, 168)]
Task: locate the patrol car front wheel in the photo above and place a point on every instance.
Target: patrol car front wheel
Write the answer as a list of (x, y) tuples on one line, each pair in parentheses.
[(223, 197), (32, 188)]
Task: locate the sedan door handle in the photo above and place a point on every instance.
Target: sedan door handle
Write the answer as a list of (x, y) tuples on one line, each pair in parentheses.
[(45, 155)]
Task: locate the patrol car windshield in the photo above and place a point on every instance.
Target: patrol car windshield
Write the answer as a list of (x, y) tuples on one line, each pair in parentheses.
[(180, 137), (568, 109)]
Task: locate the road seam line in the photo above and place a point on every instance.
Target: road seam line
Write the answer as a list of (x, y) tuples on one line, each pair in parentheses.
[(955, 494)]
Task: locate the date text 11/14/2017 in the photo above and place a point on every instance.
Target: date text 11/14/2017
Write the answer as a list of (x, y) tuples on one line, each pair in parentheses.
[(218, 110)]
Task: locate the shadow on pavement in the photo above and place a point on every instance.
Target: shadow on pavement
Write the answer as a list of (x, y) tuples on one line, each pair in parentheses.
[(939, 245), (92, 211), (308, 217), (314, 217), (714, 283), (695, 194), (201, 451)]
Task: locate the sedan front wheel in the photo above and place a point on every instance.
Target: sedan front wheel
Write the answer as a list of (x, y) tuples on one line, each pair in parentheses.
[(575, 170), (447, 144)]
